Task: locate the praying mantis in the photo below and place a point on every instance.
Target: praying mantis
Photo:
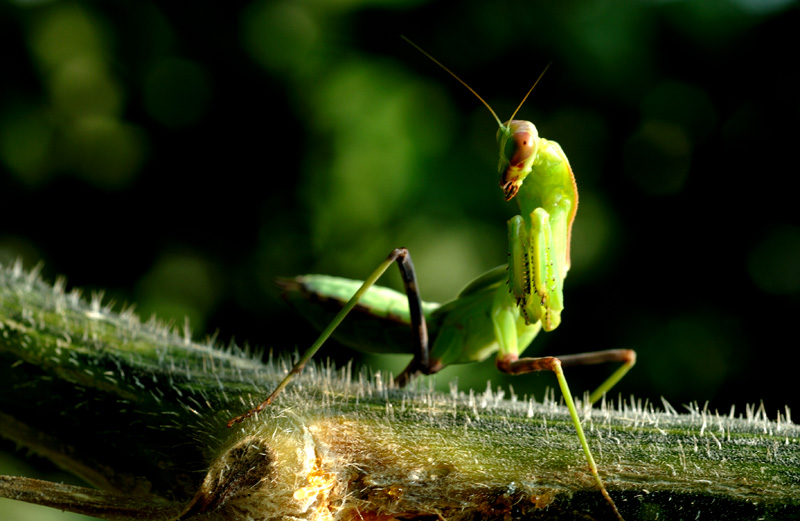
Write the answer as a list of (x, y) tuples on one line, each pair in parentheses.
[(500, 312)]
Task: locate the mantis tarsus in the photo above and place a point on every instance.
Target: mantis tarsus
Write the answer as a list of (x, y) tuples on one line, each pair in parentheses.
[(503, 310)]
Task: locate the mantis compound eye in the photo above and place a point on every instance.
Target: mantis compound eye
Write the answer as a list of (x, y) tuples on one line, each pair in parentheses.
[(521, 147)]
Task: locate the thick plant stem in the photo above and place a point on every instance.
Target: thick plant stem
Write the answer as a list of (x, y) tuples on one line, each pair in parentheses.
[(139, 412)]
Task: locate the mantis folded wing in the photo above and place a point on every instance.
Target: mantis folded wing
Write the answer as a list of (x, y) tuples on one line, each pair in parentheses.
[(460, 331)]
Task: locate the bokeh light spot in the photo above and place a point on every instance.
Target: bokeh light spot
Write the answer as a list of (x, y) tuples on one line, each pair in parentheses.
[(279, 35), (774, 264), (105, 152), (82, 87)]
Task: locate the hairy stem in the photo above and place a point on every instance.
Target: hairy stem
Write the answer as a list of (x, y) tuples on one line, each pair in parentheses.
[(139, 412)]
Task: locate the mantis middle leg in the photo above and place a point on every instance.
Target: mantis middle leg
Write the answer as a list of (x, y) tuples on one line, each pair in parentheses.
[(513, 365), (507, 323)]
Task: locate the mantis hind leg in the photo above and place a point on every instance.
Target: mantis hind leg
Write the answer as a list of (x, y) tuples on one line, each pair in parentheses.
[(418, 326)]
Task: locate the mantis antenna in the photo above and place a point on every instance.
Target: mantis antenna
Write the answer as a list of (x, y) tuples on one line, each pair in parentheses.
[(462, 82)]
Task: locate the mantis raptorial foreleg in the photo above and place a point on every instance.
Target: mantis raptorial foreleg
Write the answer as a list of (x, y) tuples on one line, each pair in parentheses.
[(534, 269)]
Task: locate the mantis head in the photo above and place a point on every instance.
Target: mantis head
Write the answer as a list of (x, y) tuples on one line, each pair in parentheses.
[(518, 140)]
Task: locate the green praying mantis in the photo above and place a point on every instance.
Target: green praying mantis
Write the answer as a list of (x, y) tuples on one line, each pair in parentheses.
[(500, 312)]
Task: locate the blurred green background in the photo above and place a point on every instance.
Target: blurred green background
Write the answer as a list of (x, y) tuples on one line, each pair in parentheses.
[(181, 157)]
